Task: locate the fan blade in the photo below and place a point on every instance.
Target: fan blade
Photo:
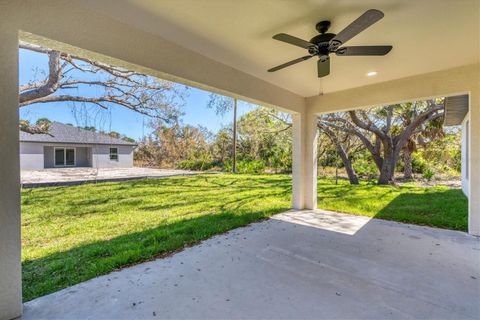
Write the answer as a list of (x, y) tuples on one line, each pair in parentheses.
[(363, 51), (293, 40), (289, 63), (363, 22), (323, 66)]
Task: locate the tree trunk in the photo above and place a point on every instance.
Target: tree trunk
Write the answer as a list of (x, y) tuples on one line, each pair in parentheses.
[(388, 166), (385, 174), (352, 176), (407, 159)]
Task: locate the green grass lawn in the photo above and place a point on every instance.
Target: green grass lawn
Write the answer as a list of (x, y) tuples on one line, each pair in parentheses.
[(439, 206), (71, 234)]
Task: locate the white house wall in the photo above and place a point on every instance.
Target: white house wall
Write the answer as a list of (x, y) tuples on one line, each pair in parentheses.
[(37, 156), (31, 156), (101, 157)]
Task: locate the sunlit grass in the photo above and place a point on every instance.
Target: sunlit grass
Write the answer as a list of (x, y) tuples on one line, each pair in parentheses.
[(71, 234), (437, 206)]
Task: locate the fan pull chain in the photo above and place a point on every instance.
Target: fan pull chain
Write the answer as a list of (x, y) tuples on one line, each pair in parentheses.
[(320, 87)]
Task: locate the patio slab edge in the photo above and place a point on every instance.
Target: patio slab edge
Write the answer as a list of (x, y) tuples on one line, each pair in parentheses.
[(30, 185)]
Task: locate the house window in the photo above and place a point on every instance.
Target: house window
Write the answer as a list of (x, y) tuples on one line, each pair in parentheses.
[(64, 157), (114, 154)]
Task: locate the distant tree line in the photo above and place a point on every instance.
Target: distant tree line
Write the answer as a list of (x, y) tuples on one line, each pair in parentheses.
[(378, 143), (264, 142)]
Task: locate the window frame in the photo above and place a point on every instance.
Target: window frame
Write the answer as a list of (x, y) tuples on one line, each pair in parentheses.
[(64, 157), (115, 154)]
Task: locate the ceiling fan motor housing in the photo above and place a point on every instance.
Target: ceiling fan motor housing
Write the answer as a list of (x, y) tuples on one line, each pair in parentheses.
[(322, 41)]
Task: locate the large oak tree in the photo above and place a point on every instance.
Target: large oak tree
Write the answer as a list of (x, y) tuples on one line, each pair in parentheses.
[(384, 131)]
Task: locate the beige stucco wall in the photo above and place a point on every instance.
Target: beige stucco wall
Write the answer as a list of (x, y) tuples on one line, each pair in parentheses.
[(10, 272), (474, 179), (442, 83), (304, 156)]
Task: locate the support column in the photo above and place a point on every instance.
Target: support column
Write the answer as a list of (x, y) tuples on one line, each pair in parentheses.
[(10, 245), (474, 163), (304, 158)]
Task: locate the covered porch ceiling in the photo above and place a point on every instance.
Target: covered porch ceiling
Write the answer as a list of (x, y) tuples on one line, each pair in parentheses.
[(426, 35)]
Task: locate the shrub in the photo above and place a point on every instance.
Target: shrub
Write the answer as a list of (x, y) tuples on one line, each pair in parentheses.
[(195, 165), (246, 166), (280, 160), (428, 174), (365, 168), (419, 164), (329, 159)]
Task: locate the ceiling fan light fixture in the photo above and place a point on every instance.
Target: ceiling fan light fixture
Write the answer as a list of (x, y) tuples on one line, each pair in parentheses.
[(372, 73)]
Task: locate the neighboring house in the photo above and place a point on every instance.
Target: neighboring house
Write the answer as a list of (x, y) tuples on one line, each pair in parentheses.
[(457, 113), (69, 146)]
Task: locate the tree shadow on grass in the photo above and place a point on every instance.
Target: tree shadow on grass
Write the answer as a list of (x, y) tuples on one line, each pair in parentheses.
[(62, 269), (85, 261), (442, 209)]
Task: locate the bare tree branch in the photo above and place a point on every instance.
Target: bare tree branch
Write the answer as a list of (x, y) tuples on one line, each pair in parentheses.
[(342, 152), (402, 138), (138, 92), (366, 126), (350, 128), (49, 85)]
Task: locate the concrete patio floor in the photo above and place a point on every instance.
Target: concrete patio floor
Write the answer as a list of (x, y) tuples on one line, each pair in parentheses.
[(299, 264), (73, 176)]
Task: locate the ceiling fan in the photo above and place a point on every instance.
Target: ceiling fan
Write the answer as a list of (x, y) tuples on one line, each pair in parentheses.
[(325, 43)]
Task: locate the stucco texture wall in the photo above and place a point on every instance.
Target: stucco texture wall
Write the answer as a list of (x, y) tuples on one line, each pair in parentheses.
[(101, 157), (31, 156), (38, 156)]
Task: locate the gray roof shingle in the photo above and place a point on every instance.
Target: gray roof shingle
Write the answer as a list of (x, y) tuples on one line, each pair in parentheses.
[(64, 133)]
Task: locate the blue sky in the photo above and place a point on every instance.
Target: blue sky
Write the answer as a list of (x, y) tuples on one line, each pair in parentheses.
[(116, 118)]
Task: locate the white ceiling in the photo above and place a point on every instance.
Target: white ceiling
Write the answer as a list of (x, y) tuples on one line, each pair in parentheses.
[(427, 35)]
